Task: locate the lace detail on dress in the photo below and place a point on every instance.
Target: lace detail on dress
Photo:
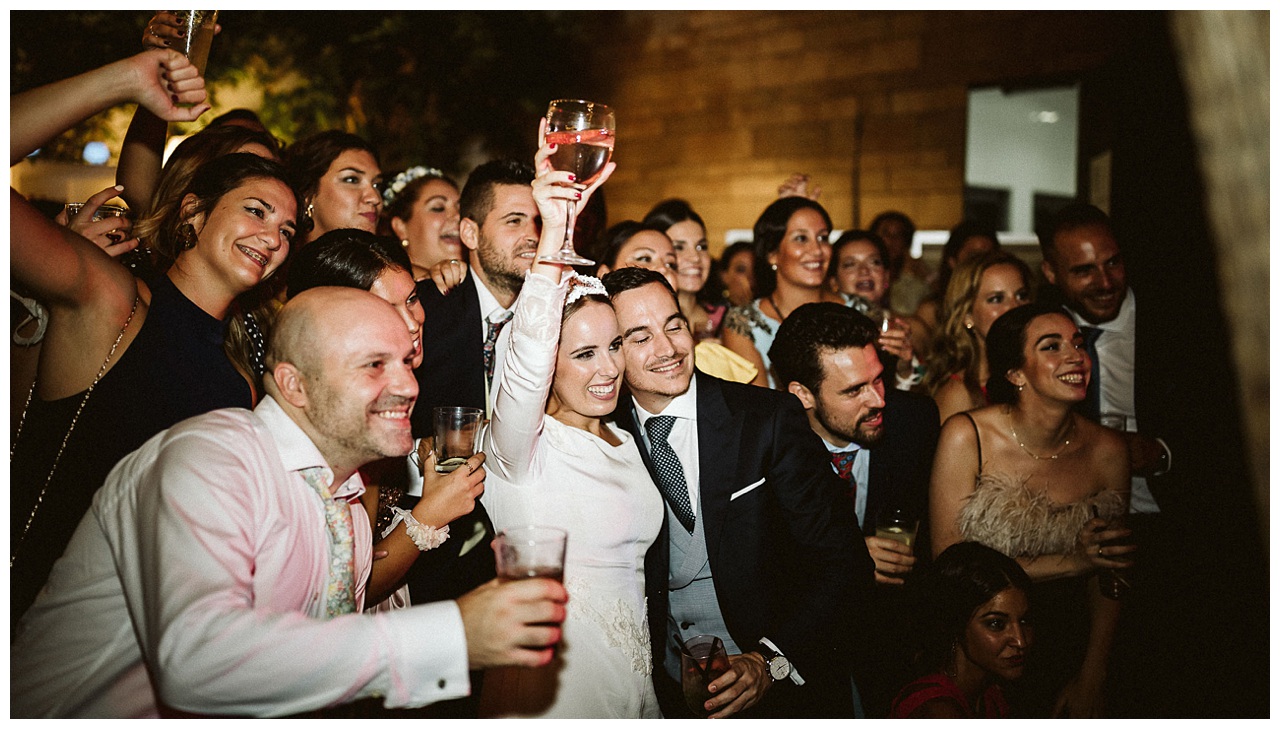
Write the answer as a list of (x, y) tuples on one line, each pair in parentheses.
[(746, 320), (621, 627), (1005, 515)]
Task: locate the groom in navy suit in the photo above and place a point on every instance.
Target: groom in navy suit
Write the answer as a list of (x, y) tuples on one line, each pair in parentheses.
[(758, 545), (881, 442)]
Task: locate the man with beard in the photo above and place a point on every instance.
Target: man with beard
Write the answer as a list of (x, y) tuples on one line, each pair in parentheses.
[(757, 545), (881, 442), (464, 343), (221, 569)]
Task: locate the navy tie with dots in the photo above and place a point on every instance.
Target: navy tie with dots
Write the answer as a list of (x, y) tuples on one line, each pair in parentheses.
[(670, 473)]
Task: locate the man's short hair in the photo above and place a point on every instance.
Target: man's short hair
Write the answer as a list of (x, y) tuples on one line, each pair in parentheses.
[(633, 277), (1075, 215), (476, 199), (811, 329)]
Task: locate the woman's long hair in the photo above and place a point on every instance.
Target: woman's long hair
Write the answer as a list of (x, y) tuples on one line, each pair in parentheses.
[(192, 154), (956, 347)]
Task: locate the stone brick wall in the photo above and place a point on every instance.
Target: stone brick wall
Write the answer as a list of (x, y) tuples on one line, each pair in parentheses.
[(719, 107)]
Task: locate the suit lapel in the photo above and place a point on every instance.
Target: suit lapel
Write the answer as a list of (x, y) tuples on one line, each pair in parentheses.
[(719, 442)]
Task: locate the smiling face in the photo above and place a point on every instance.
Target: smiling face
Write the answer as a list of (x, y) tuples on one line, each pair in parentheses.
[(1086, 265), (860, 271), (997, 636), (396, 287), (1000, 289), (656, 344), (805, 251), (1056, 365), (346, 196), (506, 240), (361, 389), (652, 250), (692, 258), (849, 404), (432, 227), (589, 366), (245, 237)]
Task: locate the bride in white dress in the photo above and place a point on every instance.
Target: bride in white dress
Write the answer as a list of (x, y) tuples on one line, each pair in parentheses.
[(553, 461)]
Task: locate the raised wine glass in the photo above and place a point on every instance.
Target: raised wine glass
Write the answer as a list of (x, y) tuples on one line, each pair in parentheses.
[(583, 134)]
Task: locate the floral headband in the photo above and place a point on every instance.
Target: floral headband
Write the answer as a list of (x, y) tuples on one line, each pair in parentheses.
[(401, 180), (580, 286)]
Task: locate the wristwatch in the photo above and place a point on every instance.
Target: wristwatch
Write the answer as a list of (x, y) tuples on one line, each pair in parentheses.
[(779, 666)]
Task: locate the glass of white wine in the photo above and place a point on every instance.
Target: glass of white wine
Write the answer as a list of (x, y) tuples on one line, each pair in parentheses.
[(583, 133)]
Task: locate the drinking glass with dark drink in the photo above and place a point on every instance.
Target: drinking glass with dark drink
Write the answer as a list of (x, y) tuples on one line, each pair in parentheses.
[(583, 134), (702, 660), (197, 39), (522, 553)]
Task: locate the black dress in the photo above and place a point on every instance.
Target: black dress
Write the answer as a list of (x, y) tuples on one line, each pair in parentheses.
[(174, 369)]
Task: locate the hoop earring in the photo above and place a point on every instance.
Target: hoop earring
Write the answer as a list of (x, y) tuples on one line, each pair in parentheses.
[(186, 236)]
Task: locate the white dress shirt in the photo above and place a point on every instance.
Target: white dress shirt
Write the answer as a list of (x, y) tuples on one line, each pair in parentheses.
[(197, 582), (1115, 368), (491, 310), (683, 438)]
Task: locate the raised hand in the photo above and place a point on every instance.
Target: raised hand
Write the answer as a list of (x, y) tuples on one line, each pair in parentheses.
[(166, 84), (111, 233)]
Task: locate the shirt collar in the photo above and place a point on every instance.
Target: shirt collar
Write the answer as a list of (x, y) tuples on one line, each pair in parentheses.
[(488, 302), (683, 406), (851, 448), (1124, 320), (296, 450)]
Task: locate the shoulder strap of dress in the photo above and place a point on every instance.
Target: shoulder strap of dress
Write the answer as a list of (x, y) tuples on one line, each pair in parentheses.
[(977, 437)]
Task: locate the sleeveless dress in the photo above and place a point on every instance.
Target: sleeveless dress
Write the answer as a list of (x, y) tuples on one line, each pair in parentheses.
[(991, 705), (1006, 515), (541, 471), (175, 368)]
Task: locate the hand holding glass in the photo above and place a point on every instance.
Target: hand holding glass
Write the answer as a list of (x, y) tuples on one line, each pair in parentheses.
[(583, 134), (897, 524), (702, 660), (521, 553), (457, 436)]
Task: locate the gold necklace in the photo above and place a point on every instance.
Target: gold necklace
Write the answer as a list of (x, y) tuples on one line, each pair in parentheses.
[(74, 419), (1071, 429)]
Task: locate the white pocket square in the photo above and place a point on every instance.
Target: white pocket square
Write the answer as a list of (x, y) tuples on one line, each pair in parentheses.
[(745, 489)]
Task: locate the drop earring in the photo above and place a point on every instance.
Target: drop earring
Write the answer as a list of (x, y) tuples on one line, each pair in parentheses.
[(186, 236)]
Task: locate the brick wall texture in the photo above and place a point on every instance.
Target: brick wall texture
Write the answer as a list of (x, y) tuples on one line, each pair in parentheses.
[(720, 107)]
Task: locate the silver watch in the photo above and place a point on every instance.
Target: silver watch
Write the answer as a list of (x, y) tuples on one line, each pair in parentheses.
[(779, 666)]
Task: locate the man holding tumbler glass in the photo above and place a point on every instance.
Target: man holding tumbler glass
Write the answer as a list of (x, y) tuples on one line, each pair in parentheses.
[(222, 567)]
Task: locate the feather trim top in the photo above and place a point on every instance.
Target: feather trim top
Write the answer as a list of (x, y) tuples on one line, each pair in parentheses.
[(1006, 515)]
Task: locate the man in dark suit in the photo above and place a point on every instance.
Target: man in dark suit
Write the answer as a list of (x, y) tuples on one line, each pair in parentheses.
[(881, 442), (1157, 376), (757, 546), (464, 340)]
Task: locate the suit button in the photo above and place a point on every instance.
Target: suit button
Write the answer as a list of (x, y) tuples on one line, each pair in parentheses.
[(442, 683), (686, 625)]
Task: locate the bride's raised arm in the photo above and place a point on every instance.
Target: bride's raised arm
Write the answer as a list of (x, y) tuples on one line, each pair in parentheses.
[(521, 395)]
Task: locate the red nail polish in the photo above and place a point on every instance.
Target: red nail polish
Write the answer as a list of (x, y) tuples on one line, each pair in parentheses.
[(573, 177), (579, 196)]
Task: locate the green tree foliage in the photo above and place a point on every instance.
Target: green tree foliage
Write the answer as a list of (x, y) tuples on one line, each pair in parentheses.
[(435, 88)]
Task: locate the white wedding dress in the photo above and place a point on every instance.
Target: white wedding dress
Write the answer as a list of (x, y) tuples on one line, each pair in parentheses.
[(543, 472)]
